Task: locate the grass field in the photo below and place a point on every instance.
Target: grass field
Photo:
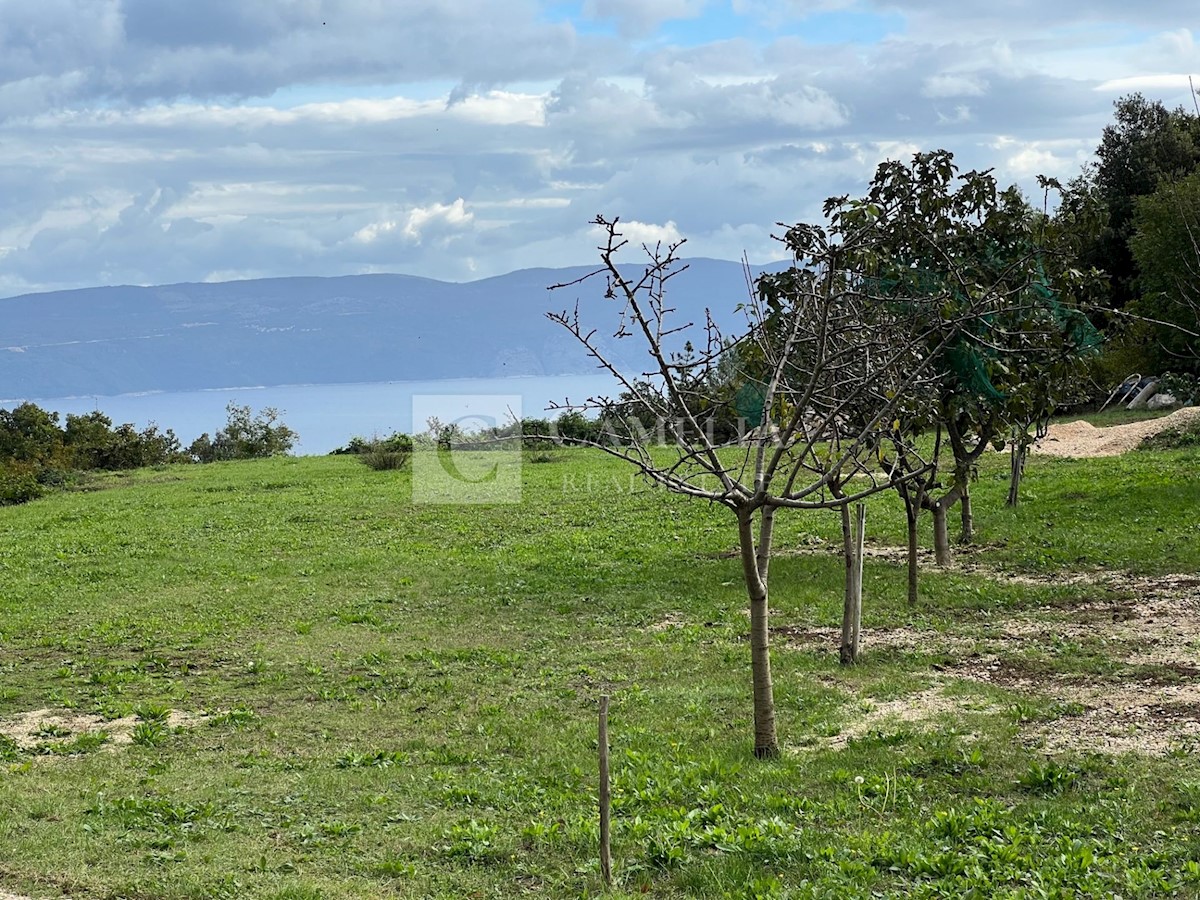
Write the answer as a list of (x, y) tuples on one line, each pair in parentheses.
[(281, 679)]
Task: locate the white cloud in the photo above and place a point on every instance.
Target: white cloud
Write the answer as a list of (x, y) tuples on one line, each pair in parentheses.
[(1023, 160), (489, 108), (1143, 83), (414, 223), (961, 114), (953, 85), (638, 233)]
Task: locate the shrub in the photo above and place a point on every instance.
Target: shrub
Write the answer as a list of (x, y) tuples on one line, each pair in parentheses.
[(378, 453), (36, 453), (30, 434), (245, 436), (1183, 387), (380, 458), (18, 483), (92, 443)]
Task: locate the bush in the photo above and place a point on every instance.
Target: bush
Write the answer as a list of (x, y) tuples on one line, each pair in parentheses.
[(387, 453), (1183, 387), (92, 443), (18, 483), (37, 453), (245, 436), (378, 453), (379, 458), (30, 434)]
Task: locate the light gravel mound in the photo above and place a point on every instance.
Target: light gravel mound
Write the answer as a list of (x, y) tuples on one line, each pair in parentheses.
[(1083, 440)]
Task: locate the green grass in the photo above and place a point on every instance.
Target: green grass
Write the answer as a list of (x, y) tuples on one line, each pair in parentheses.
[(400, 700)]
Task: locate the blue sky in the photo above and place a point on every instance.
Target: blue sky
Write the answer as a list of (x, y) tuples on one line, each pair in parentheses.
[(152, 141)]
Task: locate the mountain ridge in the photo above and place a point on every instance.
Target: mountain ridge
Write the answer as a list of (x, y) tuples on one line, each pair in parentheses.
[(120, 339)]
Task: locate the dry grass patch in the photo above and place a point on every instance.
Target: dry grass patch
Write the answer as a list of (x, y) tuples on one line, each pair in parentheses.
[(55, 731)]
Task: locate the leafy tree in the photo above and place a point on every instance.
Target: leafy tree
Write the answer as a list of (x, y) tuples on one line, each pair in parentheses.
[(245, 436), (93, 443), (30, 434), (1000, 367), (1145, 146), (1166, 247)]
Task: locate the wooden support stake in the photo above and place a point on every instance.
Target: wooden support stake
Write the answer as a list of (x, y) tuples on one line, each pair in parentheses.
[(605, 797), (859, 539)]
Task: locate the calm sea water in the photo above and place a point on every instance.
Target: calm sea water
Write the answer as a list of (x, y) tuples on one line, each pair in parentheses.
[(328, 415)]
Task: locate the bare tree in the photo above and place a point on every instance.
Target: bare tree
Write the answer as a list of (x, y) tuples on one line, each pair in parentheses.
[(824, 367)]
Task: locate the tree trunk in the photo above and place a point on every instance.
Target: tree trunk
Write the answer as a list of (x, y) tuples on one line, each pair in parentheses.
[(766, 744), (848, 650), (912, 513), (968, 518), (762, 555), (1016, 464), (941, 535)]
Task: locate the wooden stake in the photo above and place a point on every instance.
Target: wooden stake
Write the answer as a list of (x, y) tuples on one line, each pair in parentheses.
[(859, 539), (605, 797)]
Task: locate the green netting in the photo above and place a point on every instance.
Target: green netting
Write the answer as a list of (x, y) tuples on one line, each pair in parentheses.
[(969, 358), (1081, 333), (968, 363), (749, 402)]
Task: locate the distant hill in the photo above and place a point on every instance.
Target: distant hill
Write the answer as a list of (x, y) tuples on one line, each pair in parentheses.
[(361, 328)]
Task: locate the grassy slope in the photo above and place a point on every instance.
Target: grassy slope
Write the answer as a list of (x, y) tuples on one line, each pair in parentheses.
[(413, 692)]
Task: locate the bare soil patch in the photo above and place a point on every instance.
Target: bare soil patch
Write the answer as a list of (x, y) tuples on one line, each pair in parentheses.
[(914, 709), (40, 727), (1082, 439), (1149, 627)]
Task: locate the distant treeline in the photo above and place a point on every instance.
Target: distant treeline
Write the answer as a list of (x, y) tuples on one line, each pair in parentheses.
[(38, 453), (569, 428)]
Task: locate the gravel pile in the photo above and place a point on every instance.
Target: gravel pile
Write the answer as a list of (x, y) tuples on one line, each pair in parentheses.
[(1082, 439)]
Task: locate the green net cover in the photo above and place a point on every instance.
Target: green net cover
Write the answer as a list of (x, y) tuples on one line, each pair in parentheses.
[(970, 358), (748, 402)]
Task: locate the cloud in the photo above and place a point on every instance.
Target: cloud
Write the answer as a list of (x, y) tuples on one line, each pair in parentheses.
[(637, 233), (953, 85), (160, 140), (635, 18), (62, 52), (417, 222)]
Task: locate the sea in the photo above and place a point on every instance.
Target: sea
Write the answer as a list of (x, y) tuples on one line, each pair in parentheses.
[(327, 416)]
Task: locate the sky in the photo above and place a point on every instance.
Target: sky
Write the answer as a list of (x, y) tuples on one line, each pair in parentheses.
[(158, 141)]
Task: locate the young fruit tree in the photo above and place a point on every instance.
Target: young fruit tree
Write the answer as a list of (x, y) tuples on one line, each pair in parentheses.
[(1008, 362), (829, 356)]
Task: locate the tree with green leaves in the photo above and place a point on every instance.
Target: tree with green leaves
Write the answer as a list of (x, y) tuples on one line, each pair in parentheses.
[(1166, 247), (1146, 146), (1003, 366), (245, 436)]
